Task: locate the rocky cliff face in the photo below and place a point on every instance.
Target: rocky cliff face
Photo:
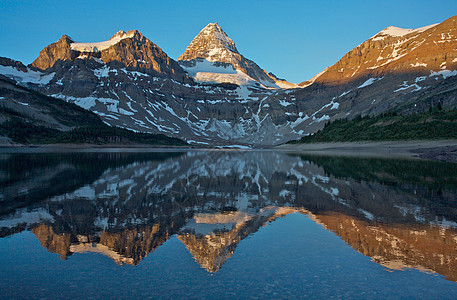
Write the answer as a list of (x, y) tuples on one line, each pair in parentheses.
[(212, 57), (60, 50), (56, 243)]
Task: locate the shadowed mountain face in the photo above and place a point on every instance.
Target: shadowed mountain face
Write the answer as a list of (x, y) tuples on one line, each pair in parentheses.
[(402, 214)]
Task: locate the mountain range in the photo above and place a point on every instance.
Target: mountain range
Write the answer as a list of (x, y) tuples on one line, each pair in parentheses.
[(214, 96)]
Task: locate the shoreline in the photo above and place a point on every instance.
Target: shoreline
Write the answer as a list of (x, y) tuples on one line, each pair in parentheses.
[(442, 150), (49, 148)]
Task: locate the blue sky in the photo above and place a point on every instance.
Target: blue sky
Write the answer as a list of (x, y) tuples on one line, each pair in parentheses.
[(293, 39)]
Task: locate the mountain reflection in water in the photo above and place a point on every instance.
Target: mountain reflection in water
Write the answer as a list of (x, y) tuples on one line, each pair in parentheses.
[(402, 214)]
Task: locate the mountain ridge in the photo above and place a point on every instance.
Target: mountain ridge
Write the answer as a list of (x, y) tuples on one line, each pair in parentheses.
[(129, 49)]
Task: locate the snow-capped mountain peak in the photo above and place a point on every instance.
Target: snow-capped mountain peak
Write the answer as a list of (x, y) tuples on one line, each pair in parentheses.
[(212, 44), (226, 63), (215, 31)]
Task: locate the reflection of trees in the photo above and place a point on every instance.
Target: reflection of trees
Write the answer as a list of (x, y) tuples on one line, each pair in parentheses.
[(434, 175), (429, 184)]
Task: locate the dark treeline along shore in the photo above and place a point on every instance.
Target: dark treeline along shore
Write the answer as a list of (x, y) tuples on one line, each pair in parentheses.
[(433, 124)]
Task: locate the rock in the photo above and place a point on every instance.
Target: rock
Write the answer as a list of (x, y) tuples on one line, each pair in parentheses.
[(59, 50)]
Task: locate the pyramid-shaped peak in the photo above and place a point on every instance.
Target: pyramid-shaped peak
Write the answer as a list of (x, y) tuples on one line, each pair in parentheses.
[(212, 43), (214, 31)]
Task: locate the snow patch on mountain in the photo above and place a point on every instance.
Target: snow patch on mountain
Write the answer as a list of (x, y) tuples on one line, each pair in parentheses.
[(312, 80), (204, 65), (399, 32), (284, 103), (444, 73), (100, 46), (286, 85), (206, 71), (419, 65), (405, 86), (369, 82), (30, 76)]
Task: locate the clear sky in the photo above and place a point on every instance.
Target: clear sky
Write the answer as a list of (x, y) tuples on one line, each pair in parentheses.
[(293, 39)]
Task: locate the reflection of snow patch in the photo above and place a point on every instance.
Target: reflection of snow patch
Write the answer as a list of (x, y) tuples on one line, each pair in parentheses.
[(27, 217), (284, 193), (368, 215)]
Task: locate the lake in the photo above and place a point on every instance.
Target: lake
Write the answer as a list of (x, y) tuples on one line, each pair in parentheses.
[(226, 224)]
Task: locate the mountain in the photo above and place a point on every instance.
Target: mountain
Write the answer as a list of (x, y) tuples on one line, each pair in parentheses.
[(131, 83), (397, 70), (212, 57)]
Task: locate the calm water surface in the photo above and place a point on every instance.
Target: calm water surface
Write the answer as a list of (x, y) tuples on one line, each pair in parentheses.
[(225, 224)]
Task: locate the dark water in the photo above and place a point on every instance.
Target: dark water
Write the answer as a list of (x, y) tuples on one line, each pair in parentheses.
[(226, 224)]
